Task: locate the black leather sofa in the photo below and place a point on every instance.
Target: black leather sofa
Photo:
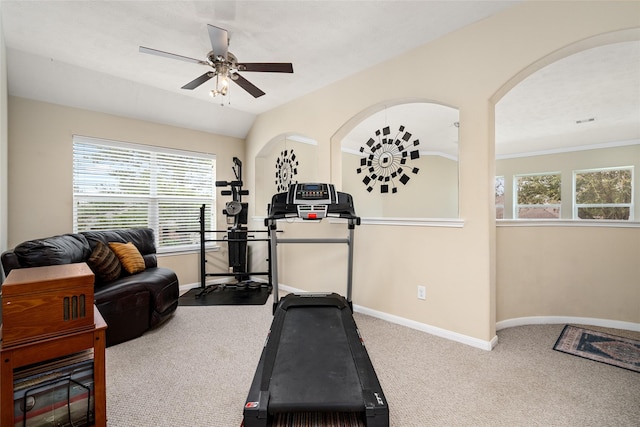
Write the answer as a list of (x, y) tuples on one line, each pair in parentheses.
[(132, 303)]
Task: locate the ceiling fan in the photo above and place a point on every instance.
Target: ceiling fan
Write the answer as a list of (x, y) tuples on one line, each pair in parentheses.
[(225, 65)]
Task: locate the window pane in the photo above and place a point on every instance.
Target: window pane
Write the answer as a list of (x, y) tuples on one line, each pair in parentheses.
[(546, 212), (538, 189), (604, 213), (184, 176), (604, 187), (105, 215), (176, 217), (499, 194), (119, 185), (499, 190), (99, 169)]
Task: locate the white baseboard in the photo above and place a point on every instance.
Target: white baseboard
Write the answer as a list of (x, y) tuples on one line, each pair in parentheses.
[(185, 288), (433, 330), (423, 327), (547, 320)]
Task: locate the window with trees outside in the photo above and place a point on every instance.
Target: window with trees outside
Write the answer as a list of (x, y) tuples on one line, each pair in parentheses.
[(499, 197), (538, 196), (603, 194), (121, 185)]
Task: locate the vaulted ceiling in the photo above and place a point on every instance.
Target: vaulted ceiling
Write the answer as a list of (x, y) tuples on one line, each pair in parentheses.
[(85, 54)]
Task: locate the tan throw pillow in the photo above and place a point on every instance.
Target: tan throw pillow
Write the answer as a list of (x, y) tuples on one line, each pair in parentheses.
[(104, 263), (129, 256)]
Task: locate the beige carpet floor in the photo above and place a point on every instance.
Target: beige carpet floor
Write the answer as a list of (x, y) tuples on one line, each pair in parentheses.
[(196, 369)]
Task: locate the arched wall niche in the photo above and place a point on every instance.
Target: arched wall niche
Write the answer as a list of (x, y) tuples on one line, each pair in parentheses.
[(399, 159), (287, 158), (569, 111), (588, 43), (526, 291)]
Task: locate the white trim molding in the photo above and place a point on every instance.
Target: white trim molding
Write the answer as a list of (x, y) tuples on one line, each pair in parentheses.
[(432, 330), (566, 223), (422, 222), (569, 149)]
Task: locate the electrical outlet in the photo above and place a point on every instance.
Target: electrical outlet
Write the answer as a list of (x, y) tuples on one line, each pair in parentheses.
[(422, 292)]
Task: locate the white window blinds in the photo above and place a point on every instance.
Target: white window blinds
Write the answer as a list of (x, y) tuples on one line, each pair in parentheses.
[(117, 185)]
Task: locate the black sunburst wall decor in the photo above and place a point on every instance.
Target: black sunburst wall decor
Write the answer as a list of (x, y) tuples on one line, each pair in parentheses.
[(286, 169), (386, 159)]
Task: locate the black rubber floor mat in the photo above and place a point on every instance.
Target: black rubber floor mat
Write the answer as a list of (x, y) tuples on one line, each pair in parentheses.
[(228, 295)]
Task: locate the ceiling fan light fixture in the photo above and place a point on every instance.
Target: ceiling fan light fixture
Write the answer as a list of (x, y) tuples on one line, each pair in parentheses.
[(225, 65), (222, 83), (215, 92)]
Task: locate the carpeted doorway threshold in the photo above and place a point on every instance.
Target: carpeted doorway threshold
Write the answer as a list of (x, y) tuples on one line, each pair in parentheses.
[(226, 295), (599, 346)]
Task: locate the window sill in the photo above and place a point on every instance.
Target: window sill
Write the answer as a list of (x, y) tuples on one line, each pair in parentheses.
[(413, 222), (565, 223)]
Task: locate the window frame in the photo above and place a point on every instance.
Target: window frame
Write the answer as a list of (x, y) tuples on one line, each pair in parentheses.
[(576, 206), (153, 199)]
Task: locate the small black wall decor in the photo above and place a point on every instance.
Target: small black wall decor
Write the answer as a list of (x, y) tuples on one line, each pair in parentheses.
[(387, 159), (286, 169)]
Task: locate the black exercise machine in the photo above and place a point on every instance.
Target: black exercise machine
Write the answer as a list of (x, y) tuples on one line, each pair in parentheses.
[(314, 364), (237, 235)]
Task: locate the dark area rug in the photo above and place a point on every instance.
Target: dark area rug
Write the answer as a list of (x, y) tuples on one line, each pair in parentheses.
[(599, 346), (226, 295)]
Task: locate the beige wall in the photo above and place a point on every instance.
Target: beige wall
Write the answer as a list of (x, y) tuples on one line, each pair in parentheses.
[(574, 271), (560, 270), (4, 157), (469, 70), (265, 168), (431, 193), (40, 166)]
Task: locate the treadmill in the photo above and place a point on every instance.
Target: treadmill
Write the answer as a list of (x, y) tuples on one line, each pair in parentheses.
[(314, 367)]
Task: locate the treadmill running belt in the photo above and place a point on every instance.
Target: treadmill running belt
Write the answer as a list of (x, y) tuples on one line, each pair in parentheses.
[(324, 419), (314, 368)]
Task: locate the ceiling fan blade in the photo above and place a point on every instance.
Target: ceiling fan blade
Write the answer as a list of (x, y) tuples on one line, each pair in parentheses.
[(219, 41), (247, 85), (171, 55), (269, 67), (198, 81)]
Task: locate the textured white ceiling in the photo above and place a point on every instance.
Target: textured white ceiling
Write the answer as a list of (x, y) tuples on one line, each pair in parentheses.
[(85, 54), (601, 83)]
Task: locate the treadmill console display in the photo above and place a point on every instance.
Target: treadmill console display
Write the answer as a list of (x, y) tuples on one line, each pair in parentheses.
[(311, 201), (318, 193)]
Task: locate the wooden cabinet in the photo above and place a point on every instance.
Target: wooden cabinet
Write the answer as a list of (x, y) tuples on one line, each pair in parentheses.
[(44, 302), (51, 345), (42, 350)]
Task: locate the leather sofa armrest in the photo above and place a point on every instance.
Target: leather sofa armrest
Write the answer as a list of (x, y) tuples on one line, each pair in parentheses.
[(9, 262), (150, 261)]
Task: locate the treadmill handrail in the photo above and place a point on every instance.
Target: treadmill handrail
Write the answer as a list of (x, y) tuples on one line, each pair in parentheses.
[(272, 226)]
